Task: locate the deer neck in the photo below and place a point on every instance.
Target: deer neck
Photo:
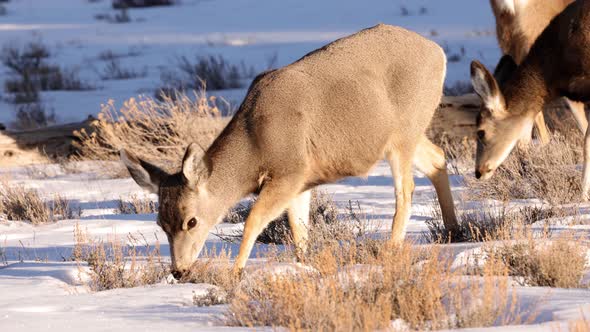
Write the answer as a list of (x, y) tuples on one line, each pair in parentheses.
[(234, 168), (527, 91)]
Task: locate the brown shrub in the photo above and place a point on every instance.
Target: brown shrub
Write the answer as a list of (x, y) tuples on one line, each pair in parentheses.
[(136, 205), (215, 269), (152, 128), (407, 283), (113, 265), (491, 222), (19, 203), (550, 263)]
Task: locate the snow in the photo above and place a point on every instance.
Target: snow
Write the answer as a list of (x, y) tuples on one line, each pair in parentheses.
[(248, 31), (43, 290)]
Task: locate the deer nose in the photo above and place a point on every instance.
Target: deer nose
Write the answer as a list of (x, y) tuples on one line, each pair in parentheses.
[(177, 274), (477, 174)]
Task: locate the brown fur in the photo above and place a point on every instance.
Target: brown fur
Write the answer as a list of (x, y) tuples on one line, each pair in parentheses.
[(334, 113), (558, 64), (518, 30)]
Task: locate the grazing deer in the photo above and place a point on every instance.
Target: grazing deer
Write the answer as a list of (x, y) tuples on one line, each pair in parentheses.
[(558, 64), (332, 114), (518, 24)]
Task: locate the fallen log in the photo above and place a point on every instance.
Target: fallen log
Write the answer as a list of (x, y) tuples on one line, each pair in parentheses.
[(49, 144)]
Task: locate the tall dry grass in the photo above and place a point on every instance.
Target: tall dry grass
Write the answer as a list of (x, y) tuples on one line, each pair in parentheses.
[(413, 285), (115, 265), (153, 130), (24, 204)]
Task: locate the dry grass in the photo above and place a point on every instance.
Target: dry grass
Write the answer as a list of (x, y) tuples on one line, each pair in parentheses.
[(407, 283), (149, 127), (114, 265), (492, 222), (580, 325), (215, 269), (19, 203), (22, 204), (214, 296), (545, 172), (560, 262), (136, 205), (326, 224)]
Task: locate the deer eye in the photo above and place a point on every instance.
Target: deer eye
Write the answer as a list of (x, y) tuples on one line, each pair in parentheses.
[(481, 134), (192, 223)]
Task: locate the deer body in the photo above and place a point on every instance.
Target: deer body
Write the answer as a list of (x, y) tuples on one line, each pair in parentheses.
[(334, 113), (518, 24), (558, 64)]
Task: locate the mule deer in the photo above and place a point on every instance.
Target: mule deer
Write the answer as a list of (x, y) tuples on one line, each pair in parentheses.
[(558, 64), (334, 113), (518, 24)]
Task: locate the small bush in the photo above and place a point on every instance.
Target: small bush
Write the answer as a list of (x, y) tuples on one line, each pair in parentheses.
[(149, 127), (120, 4), (61, 209), (114, 71), (110, 55), (32, 74), (215, 269), (20, 204), (214, 296), (215, 72), (458, 88), (114, 266), (33, 116), (137, 205), (491, 223), (325, 224), (544, 263)]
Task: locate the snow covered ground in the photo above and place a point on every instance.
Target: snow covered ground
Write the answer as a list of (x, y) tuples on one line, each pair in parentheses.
[(43, 290), (248, 31)]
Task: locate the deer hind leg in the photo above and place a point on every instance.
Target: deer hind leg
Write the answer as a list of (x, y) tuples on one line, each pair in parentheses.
[(401, 169), (586, 176), (430, 160), (272, 201), (542, 131), (299, 221), (579, 114)]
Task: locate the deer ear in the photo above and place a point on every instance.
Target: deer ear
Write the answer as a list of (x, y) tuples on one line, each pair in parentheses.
[(505, 68), (146, 175), (195, 169), (486, 86)]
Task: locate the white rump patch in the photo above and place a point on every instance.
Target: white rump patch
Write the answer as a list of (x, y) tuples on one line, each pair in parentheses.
[(508, 5)]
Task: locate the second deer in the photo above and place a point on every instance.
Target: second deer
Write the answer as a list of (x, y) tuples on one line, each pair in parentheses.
[(518, 24), (557, 65)]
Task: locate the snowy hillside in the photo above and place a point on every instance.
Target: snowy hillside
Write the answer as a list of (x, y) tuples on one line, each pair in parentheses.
[(257, 33)]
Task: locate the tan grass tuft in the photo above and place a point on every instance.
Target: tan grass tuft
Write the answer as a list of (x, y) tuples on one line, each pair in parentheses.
[(149, 127)]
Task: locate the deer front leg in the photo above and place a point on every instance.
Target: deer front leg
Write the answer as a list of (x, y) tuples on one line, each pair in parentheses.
[(579, 114), (272, 201), (299, 221), (401, 169), (542, 131)]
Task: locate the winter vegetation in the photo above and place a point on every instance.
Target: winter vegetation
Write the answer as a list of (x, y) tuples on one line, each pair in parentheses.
[(80, 241)]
